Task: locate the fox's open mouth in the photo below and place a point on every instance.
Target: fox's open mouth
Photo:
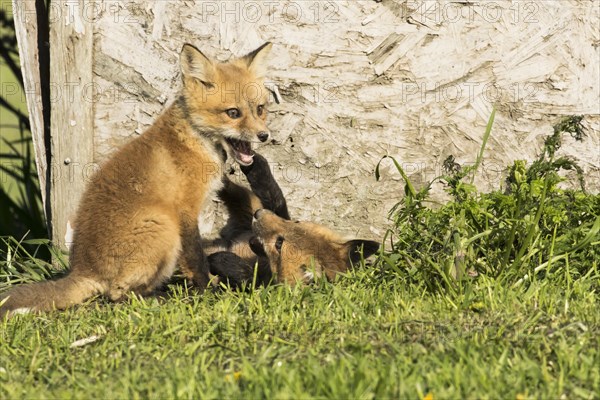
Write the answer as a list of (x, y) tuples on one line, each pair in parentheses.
[(242, 151)]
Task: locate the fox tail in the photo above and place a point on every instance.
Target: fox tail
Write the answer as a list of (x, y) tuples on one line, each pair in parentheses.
[(45, 296)]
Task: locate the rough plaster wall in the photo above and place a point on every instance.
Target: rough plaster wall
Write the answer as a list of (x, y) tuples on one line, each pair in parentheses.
[(361, 79)]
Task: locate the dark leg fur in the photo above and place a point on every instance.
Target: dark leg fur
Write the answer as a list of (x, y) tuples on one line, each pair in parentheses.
[(192, 260), (264, 186), (235, 271), (238, 201)]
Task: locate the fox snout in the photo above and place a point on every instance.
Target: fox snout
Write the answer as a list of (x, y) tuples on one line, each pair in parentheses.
[(252, 128), (258, 212), (263, 136)]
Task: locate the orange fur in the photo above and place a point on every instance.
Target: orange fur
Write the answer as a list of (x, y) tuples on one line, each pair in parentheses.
[(308, 250), (289, 251), (138, 217)]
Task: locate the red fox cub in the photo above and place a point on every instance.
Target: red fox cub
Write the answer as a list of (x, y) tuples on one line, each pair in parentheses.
[(259, 232), (138, 217)]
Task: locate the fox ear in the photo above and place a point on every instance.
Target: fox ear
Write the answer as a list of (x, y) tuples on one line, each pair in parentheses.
[(257, 60), (355, 247), (196, 65)]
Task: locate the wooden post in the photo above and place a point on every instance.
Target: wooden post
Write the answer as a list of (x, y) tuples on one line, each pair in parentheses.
[(25, 14), (72, 110)]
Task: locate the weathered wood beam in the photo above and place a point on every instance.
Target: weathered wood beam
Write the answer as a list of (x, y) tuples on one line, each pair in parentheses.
[(71, 34)]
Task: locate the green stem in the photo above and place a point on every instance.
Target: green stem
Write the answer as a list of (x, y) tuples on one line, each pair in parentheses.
[(532, 227), (511, 238), (486, 136)]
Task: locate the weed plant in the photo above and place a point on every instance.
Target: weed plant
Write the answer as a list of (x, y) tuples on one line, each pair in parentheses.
[(531, 229)]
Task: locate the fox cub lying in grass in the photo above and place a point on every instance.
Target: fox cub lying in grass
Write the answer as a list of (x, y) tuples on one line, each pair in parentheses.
[(259, 232)]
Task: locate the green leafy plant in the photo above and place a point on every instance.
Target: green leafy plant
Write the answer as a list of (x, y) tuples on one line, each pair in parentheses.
[(530, 230)]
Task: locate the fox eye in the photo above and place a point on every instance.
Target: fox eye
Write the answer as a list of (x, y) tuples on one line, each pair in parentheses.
[(234, 113), (279, 243), (260, 110)]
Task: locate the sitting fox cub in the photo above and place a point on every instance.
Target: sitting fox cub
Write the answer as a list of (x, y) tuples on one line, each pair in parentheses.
[(259, 232), (138, 217)]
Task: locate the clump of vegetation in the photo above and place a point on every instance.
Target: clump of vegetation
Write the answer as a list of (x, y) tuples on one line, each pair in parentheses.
[(530, 229), (27, 261)]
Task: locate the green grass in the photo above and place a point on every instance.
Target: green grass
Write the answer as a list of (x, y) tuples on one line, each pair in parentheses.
[(370, 335), (492, 295)]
